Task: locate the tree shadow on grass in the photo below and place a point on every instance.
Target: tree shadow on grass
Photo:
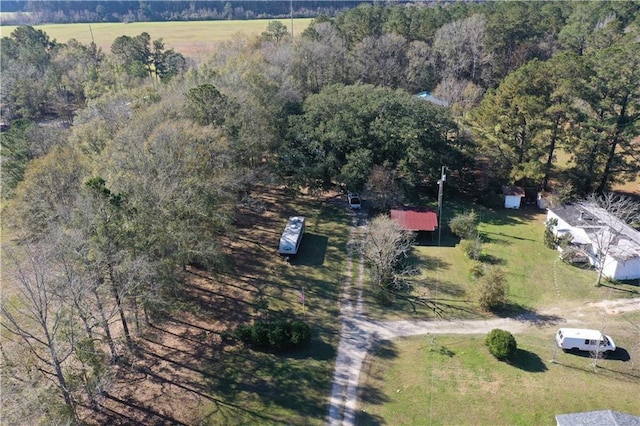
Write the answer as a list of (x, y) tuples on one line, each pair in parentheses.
[(492, 260), (295, 385), (431, 263), (318, 350), (312, 251), (384, 349), (524, 314), (490, 238), (528, 361), (443, 287), (508, 216)]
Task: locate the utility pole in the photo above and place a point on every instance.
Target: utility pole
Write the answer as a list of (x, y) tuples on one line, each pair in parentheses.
[(443, 178), (291, 13)]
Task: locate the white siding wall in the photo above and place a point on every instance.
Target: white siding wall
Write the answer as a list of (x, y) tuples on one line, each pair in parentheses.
[(622, 270), (512, 201)]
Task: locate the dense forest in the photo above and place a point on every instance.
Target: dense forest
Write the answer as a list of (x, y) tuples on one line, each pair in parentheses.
[(56, 12), (120, 168)]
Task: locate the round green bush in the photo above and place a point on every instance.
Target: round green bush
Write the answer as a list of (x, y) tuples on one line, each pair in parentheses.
[(502, 344)]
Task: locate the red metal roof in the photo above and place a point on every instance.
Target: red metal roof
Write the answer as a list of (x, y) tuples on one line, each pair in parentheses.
[(415, 219)]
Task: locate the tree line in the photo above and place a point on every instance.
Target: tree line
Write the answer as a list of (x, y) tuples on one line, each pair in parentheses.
[(159, 152), (57, 12)]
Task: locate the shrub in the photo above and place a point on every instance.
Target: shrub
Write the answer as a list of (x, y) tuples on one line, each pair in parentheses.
[(465, 225), (501, 343), (492, 291), (277, 335), (472, 248), (300, 334), (549, 237), (476, 270)]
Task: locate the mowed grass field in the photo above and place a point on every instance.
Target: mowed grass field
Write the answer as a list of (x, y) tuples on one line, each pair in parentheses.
[(453, 380), (195, 39)]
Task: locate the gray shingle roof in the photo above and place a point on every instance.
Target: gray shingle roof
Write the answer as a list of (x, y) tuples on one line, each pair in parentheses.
[(598, 418)]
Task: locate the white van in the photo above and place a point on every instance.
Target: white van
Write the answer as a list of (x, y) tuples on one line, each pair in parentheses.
[(584, 340)]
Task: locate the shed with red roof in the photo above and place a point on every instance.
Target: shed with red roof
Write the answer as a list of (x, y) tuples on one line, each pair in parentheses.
[(415, 219)]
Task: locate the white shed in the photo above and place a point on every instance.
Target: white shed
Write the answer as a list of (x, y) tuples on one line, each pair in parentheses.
[(512, 196)]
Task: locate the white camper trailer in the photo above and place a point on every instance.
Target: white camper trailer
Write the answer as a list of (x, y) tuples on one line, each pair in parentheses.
[(584, 340), (292, 236)]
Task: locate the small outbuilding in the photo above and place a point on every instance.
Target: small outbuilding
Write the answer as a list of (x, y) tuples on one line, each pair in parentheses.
[(415, 219), (513, 196)]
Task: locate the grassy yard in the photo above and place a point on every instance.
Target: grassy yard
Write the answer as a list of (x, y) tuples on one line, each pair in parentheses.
[(513, 241), (454, 380), (196, 39), (445, 380)]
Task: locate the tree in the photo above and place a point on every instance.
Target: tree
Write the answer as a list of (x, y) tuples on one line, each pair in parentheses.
[(276, 32), (501, 343), (549, 237), (384, 246), (492, 290), (381, 61), (614, 213), (459, 48), (409, 137), (26, 58), (381, 189), (607, 153), (206, 105), (521, 123), (133, 54), (38, 318), (319, 59)]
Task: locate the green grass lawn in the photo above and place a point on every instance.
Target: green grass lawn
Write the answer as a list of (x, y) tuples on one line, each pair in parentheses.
[(513, 241), (447, 380), (454, 380), (191, 38)]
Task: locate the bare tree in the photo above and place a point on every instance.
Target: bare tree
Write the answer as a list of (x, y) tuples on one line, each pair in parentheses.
[(381, 189), (383, 247), (611, 233), (37, 317), (459, 46)]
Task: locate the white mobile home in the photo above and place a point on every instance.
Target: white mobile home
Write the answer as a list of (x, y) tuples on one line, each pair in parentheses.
[(607, 241), (582, 339), (292, 236)]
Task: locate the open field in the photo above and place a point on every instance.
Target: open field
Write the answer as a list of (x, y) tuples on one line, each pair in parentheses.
[(452, 379), (196, 39)]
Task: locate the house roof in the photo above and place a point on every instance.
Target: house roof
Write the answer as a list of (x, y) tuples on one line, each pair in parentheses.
[(600, 227), (598, 418), (415, 219), (516, 191), (429, 97)]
